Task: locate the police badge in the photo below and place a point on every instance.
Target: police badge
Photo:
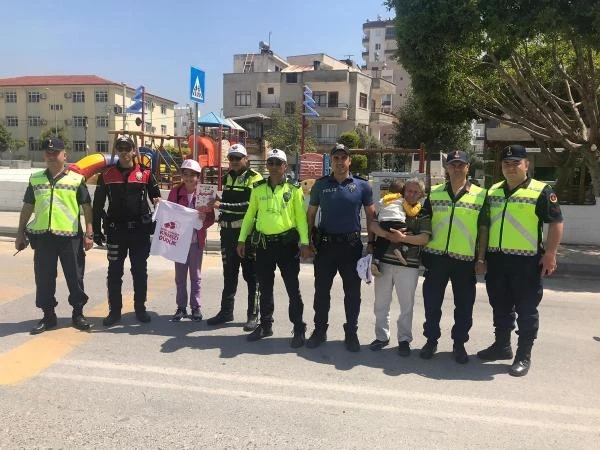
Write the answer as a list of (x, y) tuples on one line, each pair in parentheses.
[(352, 187), (138, 176)]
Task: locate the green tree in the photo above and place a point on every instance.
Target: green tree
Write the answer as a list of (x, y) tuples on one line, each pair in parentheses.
[(358, 164), (530, 65), (285, 131), (6, 139), (350, 139)]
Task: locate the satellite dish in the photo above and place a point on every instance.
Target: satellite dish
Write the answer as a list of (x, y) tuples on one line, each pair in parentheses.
[(138, 121)]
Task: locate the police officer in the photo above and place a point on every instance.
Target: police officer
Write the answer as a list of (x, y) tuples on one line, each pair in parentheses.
[(456, 250), (128, 185), (237, 186), (338, 244), (54, 195), (517, 258), (277, 206)]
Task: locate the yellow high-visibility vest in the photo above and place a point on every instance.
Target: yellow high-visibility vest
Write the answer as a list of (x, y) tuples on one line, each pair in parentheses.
[(56, 209), (514, 226), (454, 224)]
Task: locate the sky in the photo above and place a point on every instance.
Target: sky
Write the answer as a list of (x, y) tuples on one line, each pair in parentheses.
[(154, 43)]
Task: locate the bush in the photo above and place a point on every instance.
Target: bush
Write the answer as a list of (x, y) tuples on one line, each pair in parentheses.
[(358, 164), (350, 139)]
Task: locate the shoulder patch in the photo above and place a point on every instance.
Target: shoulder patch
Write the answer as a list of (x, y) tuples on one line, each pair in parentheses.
[(258, 183)]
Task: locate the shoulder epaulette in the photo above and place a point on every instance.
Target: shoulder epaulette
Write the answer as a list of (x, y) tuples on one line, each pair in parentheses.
[(322, 178), (258, 183), (360, 178)]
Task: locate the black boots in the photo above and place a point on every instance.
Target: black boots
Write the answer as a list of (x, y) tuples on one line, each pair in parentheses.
[(500, 349), (299, 336), (428, 349), (351, 338), (48, 322), (459, 353), (79, 321), (262, 331), (252, 322), (113, 317), (318, 336), (522, 363), (220, 318)]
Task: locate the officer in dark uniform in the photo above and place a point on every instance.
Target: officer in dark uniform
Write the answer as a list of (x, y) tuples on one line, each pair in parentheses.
[(277, 206), (454, 253), (338, 244), (237, 186), (55, 196), (128, 186), (517, 258)]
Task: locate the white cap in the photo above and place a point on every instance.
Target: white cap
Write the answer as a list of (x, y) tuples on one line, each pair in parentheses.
[(278, 154), (192, 165), (237, 150)]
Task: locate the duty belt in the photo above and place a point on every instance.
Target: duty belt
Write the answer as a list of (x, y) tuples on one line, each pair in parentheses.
[(234, 224), (279, 237), (339, 238)]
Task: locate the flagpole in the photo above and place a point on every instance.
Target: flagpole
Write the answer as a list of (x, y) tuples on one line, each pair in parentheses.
[(143, 113)]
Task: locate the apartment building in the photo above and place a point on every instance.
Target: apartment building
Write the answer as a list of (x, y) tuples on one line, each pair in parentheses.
[(86, 107), (346, 97)]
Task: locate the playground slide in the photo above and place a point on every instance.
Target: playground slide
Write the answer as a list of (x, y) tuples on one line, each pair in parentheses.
[(207, 150), (93, 164)]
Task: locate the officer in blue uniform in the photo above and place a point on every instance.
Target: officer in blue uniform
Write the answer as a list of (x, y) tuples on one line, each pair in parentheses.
[(337, 242)]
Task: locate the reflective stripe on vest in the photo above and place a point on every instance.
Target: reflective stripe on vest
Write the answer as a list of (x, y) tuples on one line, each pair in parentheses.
[(56, 209), (454, 225), (514, 225)]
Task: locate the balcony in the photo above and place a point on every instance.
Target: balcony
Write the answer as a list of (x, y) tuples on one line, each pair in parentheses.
[(382, 116), (333, 111), (326, 140)]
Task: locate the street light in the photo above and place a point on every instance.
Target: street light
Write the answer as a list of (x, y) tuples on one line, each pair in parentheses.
[(85, 128)]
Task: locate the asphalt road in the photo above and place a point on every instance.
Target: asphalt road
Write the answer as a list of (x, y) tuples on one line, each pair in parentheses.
[(185, 385)]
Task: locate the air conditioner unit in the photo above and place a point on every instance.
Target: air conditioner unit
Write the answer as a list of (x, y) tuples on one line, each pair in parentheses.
[(68, 94), (43, 96), (44, 122), (68, 122)]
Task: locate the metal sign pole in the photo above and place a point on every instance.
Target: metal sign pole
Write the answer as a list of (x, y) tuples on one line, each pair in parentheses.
[(195, 149)]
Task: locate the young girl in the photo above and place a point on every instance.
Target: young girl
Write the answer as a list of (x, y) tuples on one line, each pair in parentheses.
[(185, 194)]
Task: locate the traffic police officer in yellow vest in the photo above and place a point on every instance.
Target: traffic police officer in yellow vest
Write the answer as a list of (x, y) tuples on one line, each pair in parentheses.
[(456, 250), (517, 258), (277, 207), (54, 195), (237, 186)]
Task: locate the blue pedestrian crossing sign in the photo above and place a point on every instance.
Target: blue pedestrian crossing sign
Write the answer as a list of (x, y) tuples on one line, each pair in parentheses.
[(196, 85)]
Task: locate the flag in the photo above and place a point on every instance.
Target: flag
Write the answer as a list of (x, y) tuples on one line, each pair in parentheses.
[(137, 99)]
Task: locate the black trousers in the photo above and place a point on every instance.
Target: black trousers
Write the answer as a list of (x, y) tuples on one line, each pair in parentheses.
[(514, 286), (286, 256), (122, 241), (333, 258), (440, 270), (231, 270), (48, 250)]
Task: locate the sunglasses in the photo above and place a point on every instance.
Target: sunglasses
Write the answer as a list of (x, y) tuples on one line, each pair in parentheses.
[(234, 158), (274, 162)]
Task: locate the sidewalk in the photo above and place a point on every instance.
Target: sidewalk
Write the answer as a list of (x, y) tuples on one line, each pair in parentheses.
[(573, 260)]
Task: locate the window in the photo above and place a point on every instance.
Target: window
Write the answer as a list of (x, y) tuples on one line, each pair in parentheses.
[(290, 107), (362, 100), (377, 46), (56, 107), (389, 33), (320, 98), (79, 121), (270, 90), (34, 144), (101, 121), (101, 146), (326, 130), (333, 100), (12, 121), (291, 77), (79, 146), (78, 97), (163, 129), (118, 109), (10, 97), (33, 97), (242, 98), (163, 109), (101, 97), (35, 121)]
